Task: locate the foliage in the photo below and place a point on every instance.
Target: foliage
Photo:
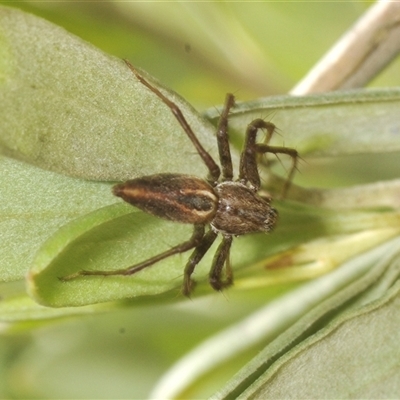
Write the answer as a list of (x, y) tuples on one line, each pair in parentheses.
[(75, 120)]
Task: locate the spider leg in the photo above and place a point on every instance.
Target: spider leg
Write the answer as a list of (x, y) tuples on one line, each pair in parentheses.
[(195, 240), (221, 258), (223, 139), (213, 168), (248, 171), (294, 155), (201, 249)]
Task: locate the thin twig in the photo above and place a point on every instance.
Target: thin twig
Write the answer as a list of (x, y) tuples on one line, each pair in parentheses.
[(360, 54)]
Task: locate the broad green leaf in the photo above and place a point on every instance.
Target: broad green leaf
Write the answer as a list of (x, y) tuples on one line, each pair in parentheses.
[(34, 204), (70, 108), (363, 346), (93, 243)]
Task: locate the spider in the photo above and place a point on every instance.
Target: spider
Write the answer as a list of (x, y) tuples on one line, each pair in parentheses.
[(227, 207)]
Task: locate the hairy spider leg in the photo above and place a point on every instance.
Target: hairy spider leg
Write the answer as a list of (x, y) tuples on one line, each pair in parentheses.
[(194, 241), (294, 155), (220, 260), (213, 168), (248, 169), (223, 139), (195, 258)]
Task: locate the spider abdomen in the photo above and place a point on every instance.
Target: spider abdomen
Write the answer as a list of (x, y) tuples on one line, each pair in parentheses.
[(176, 197), (241, 211)]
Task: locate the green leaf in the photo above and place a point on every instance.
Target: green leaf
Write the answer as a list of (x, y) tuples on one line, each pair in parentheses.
[(107, 239), (356, 356), (348, 328), (115, 237), (368, 361), (85, 115), (72, 117), (34, 204), (329, 124), (70, 108), (352, 310), (18, 310)]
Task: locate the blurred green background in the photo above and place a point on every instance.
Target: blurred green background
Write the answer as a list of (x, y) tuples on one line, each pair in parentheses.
[(202, 51)]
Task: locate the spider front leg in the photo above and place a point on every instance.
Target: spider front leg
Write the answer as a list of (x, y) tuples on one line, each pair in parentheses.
[(248, 169), (294, 155), (213, 168), (223, 139)]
